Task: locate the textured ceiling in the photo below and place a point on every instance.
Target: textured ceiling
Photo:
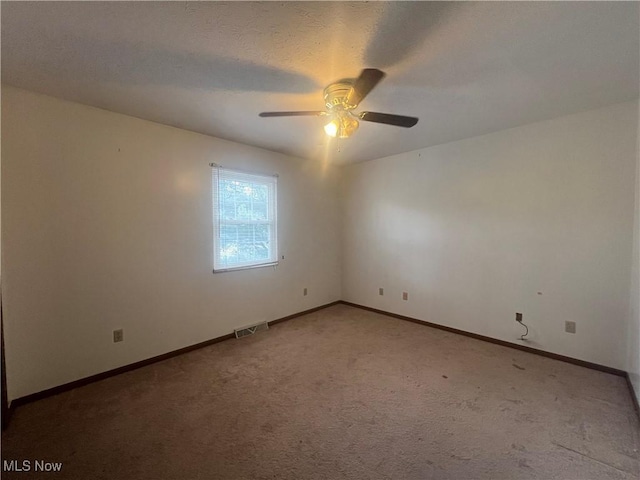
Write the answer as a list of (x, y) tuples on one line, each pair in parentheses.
[(464, 68)]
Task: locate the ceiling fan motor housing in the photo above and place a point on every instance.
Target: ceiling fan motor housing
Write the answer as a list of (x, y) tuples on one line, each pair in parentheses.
[(335, 95)]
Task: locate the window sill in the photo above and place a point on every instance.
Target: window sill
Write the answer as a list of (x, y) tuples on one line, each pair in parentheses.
[(247, 267)]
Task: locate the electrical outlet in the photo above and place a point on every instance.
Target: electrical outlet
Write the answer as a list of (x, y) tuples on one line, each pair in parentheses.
[(570, 327), (405, 296), (381, 291), (304, 292), (118, 336), (518, 317)]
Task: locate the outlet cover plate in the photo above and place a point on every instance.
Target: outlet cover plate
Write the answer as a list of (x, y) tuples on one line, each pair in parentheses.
[(118, 335), (570, 327)]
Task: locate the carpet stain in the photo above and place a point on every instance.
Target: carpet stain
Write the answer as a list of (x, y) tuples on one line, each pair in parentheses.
[(458, 457), (444, 376), (518, 367), (473, 404), (522, 463)]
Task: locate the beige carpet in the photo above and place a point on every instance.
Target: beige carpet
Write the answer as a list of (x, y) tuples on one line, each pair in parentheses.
[(338, 394)]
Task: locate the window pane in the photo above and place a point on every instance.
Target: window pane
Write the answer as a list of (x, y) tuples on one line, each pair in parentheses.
[(243, 200), (244, 243), (260, 211), (229, 244)]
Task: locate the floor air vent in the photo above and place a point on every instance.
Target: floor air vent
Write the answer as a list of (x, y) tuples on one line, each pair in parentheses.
[(251, 329)]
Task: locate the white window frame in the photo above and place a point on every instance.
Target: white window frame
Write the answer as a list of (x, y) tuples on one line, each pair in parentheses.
[(271, 181)]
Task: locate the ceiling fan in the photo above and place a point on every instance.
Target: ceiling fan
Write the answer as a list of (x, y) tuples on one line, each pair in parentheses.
[(341, 98)]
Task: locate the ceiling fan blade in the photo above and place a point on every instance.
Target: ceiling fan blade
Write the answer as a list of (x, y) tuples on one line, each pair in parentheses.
[(292, 114), (389, 119), (369, 78)]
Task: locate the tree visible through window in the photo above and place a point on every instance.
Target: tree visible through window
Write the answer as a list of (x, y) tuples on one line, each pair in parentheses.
[(244, 219)]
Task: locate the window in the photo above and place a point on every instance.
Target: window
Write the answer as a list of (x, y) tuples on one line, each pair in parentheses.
[(244, 219)]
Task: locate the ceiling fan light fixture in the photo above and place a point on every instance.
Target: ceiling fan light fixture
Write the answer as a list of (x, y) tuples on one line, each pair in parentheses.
[(343, 125), (348, 125), (331, 128)]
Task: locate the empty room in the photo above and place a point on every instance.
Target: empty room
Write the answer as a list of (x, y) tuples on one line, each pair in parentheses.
[(320, 240)]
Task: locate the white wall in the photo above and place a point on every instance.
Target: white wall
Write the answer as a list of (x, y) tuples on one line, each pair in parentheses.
[(633, 351), (107, 224), (474, 229)]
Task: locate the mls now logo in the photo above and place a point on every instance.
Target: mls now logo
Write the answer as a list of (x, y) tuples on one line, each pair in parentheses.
[(28, 465)]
